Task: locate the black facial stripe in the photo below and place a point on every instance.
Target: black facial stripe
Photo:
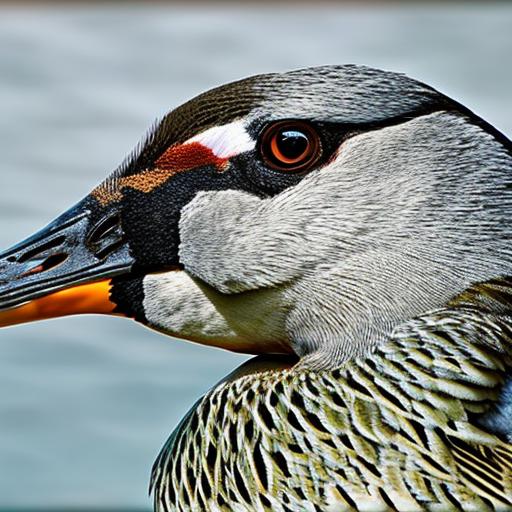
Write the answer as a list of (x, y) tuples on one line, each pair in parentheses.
[(127, 293), (150, 220)]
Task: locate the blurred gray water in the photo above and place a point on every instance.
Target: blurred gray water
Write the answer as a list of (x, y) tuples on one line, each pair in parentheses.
[(86, 403)]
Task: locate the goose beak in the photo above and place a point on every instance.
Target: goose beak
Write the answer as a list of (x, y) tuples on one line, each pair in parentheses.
[(64, 269)]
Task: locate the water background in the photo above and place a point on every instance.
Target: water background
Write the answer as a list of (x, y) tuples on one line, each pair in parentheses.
[(86, 403)]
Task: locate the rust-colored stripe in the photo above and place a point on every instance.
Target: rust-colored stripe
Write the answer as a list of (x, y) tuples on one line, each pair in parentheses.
[(174, 160)]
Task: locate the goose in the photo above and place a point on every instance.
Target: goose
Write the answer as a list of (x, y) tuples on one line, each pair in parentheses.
[(347, 226)]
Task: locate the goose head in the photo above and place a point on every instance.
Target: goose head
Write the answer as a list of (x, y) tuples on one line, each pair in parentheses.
[(309, 212)]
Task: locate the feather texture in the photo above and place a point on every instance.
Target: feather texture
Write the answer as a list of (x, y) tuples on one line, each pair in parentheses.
[(401, 429)]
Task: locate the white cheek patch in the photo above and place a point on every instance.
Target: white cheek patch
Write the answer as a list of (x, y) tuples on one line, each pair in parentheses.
[(227, 140)]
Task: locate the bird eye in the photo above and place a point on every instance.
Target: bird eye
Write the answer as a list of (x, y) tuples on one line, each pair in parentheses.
[(290, 146)]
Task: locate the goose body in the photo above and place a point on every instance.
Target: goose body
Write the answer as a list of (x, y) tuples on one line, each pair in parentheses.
[(350, 226)]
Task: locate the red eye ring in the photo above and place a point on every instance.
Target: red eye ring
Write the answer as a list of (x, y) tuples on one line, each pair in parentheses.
[(290, 146)]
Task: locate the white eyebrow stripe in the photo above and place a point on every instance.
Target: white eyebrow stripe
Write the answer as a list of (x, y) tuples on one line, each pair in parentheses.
[(227, 140)]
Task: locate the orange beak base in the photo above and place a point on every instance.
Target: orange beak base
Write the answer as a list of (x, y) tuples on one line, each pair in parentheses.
[(77, 300)]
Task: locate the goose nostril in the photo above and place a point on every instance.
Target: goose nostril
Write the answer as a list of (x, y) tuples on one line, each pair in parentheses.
[(106, 236), (11, 259), (105, 228), (40, 249), (48, 264)]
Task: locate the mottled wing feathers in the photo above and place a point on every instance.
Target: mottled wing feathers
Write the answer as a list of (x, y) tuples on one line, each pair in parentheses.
[(487, 470)]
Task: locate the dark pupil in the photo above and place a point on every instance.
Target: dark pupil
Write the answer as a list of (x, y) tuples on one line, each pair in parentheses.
[(292, 143)]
